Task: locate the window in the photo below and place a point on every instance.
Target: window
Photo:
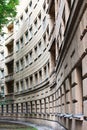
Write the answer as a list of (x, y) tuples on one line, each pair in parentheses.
[(31, 81), (17, 66), (26, 11), (40, 76), (22, 85), (2, 109), (44, 41), (48, 68), (21, 64), (12, 108), (39, 16), (2, 56), (26, 36), (17, 86), (36, 78), (39, 20), (26, 104), (22, 41), (27, 84), (40, 48), (17, 25), (44, 22), (63, 17), (17, 107), (17, 46), (44, 6), (30, 33), (7, 108), (30, 4), (2, 73), (2, 91), (21, 107), (35, 24), (21, 19), (30, 57), (35, 52), (26, 60), (45, 72), (30, 18)]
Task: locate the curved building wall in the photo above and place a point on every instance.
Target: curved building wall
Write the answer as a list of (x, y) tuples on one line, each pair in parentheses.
[(47, 83)]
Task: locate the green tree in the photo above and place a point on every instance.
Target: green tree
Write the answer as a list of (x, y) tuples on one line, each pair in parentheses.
[(7, 11)]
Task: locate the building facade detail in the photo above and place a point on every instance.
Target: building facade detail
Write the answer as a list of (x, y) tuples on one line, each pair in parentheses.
[(45, 64)]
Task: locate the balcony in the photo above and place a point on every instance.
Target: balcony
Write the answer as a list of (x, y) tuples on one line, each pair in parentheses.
[(9, 38), (9, 58), (9, 97), (9, 77)]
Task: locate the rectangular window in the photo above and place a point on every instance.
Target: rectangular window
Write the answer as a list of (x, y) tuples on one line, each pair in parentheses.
[(40, 48), (21, 18), (17, 66), (12, 108), (30, 33), (21, 64), (44, 6), (22, 41), (2, 56), (44, 22), (26, 36), (26, 60), (31, 81), (17, 46), (2, 74), (39, 20), (30, 57), (63, 17), (7, 108), (45, 72), (26, 11), (22, 85), (21, 107), (17, 107), (2, 109), (30, 4), (27, 84), (36, 78), (26, 107), (17, 86), (17, 25), (35, 26), (36, 52), (40, 76), (2, 91), (44, 42)]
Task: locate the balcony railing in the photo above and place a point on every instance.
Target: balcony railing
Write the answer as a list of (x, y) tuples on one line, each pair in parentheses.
[(9, 58), (9, 77), (9, 39), (9, 97)]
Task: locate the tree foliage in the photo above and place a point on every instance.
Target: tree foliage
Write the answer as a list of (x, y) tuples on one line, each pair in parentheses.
[(7, 11)]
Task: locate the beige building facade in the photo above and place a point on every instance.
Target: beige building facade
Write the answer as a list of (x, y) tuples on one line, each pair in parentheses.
[(46, 64)]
